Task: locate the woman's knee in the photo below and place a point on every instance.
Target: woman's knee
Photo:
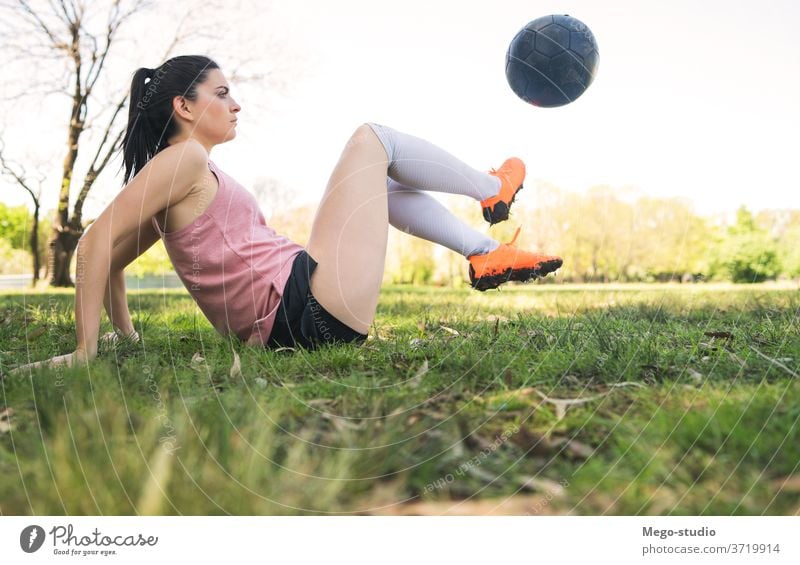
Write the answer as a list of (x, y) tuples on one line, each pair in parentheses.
[(373, 133)]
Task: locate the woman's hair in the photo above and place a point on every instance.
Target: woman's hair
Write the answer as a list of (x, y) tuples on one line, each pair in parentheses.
[(150, 116)]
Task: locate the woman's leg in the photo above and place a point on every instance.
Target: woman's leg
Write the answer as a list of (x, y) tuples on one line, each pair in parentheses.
[(419, 214), (350, 231), (418, 163)]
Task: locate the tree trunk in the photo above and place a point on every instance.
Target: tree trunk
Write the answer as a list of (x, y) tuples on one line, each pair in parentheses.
[(65, 237), (62, 248), (35, 244)]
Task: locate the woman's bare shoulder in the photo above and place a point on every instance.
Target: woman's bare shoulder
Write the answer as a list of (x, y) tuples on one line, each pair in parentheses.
[(189, 152)]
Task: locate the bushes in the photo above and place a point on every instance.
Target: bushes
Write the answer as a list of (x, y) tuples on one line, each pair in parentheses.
[(747, 258), (14, 261)]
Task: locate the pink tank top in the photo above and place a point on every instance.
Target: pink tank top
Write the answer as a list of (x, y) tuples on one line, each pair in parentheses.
[(232, 263)]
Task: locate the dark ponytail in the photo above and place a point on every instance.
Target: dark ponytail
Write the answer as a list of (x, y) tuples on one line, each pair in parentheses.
[(150, 115)]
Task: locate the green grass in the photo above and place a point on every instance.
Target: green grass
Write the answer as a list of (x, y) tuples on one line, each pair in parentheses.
[(678, 418)]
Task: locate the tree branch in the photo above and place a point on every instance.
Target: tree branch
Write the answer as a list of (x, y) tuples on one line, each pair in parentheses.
[(19, 177), (61, 45)]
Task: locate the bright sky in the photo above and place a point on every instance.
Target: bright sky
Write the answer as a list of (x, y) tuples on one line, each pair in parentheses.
[(692, 98)]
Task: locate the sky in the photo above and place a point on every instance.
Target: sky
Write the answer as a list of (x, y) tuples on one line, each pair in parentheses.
[(694, 99)]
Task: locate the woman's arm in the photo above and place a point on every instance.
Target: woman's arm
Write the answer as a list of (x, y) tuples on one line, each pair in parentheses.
[(163, 182), (116, 303), (125, 253), (93, 263)]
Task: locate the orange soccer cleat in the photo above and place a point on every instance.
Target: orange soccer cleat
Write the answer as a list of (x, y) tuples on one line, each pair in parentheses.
[(511, 174), (509, 263)]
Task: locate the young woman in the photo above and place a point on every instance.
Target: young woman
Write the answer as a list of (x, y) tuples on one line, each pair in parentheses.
[(246, 278)]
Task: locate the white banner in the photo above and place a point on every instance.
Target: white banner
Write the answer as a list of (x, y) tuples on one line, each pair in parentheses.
[(388, 540)]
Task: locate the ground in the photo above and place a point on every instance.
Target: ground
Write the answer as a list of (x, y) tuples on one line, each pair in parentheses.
[(535, 399)]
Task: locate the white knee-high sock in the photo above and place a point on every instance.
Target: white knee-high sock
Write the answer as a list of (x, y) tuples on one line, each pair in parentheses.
[(421, 215), (417, 163)]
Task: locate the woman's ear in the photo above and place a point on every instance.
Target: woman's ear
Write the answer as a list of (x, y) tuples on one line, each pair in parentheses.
[(181, 108)]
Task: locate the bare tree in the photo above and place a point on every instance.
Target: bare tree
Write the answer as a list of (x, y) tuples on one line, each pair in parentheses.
[(272, 194), (62, 31), (21, 177)]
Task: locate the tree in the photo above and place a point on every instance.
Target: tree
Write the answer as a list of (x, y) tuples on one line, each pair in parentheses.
[(273, 197), (748, 254), (22, 179), (669, 239), (65, 32), (789, 251), (14, 224)]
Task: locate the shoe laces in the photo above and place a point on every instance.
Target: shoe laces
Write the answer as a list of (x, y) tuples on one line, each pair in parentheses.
[(505, 169), (513, 239)]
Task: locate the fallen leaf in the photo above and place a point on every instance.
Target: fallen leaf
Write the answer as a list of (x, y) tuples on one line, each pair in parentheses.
[(510, 400), (627, 383), (561, 404), (737, 359), (508, 376), (534, 443), (342, 424), (415, 380), (484, 475), (36, 333), (475, 440), (496, 318), (722, 335), (696, 376), (413, 419), (416, 342), (5, 420), (319, 402), (518, 505), (451, 331), (578, 449), (548, 486), (198, 362), (778, 362), (236, 368), (790, 483)]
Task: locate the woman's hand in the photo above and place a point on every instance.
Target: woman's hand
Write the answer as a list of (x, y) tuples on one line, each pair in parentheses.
[(78, 356), (112, 338)]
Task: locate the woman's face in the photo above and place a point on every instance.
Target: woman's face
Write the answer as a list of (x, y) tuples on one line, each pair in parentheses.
[(214, 111)]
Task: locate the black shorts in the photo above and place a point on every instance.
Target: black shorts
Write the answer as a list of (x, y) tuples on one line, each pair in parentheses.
[(301, 320)]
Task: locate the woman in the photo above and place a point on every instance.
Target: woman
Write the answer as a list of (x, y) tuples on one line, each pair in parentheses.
[(247, 279)]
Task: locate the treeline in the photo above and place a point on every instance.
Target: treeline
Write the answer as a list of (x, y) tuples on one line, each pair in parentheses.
[(604, 235), (609, 234)]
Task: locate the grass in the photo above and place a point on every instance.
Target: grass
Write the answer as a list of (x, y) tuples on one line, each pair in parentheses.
[(537, 399)]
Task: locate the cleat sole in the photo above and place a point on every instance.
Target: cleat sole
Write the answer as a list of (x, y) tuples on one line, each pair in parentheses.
[(519, 275), (499, 213)]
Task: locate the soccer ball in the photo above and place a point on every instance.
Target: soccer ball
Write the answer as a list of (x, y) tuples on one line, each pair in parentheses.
[(552, 61)]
